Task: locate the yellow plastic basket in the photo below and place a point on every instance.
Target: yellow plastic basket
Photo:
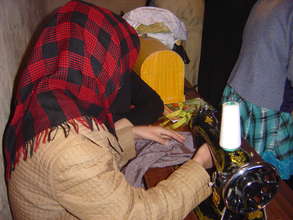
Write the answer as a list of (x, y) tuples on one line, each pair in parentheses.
[(162, 69)]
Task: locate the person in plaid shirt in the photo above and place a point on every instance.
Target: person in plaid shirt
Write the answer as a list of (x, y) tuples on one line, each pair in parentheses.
[(63, 153), (262, 82)]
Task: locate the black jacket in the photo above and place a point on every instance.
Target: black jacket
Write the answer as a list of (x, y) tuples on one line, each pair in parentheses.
[(137, 102)]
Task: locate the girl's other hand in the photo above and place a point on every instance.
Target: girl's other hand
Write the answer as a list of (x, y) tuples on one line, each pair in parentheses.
[(203, 156), (157, 133)]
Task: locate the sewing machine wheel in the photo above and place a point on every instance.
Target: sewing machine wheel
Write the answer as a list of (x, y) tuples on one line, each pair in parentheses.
[(251, 187)]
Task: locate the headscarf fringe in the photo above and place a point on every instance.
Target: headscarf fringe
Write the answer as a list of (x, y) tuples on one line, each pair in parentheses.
[(86, 122), (38, 140), (74, 125), (45, 135), (66, 128), (49, 134), (109, 142), (97, 123), (104, 125), (52, 133)]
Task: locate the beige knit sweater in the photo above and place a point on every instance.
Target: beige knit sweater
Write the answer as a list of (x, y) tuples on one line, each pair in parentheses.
[(78, 177)]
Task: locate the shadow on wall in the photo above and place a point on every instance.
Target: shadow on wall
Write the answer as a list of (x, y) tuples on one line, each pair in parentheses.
[(18, 21)]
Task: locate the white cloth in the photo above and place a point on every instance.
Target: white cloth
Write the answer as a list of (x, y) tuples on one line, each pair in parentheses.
[(151, 15)]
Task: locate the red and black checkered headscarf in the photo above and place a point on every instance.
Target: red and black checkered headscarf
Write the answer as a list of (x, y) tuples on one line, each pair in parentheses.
[(74, 72)]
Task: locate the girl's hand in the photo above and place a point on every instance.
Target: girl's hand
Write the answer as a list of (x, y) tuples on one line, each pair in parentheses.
[(157, 133), (203, 156)]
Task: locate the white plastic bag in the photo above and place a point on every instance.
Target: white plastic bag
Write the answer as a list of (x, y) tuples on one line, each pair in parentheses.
[(151, 15)]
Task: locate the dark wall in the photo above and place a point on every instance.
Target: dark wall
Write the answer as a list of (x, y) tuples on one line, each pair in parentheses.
[(221, 41)]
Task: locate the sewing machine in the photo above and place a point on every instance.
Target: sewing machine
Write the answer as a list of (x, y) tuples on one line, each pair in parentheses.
[(241, 187)]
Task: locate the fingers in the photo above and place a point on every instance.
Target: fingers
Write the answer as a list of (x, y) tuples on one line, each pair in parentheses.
[(169, 134), (162, 140), (157, 133), (173, 135)]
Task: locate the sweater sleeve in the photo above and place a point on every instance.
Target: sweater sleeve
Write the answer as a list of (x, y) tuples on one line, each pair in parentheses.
[(147, 106), (86, 181)]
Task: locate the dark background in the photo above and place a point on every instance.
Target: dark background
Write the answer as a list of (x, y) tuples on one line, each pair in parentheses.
[(221, 41)]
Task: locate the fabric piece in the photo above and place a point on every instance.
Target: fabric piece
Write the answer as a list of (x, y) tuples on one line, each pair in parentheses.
[(269, 132), (75, 69), (152, 15), (152, 154), (158, 27), (84, 182)]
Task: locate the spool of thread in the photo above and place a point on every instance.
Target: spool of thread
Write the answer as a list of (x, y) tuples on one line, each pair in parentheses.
[(230, 134)]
